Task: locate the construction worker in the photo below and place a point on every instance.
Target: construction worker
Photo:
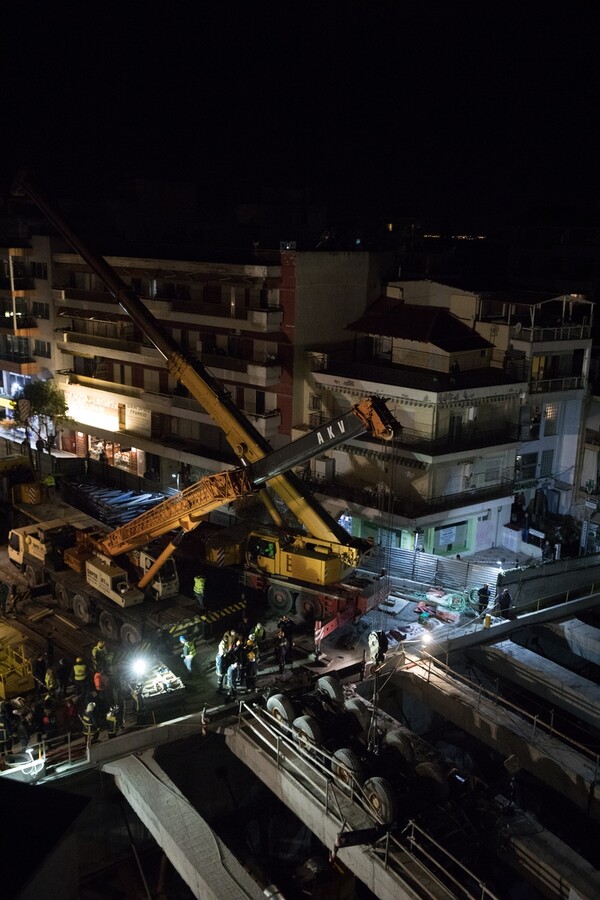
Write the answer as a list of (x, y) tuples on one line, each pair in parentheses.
[(89, 721), (251, 670), (286, 625), (281, 649), (222, 661), (188, 652), (49, 483), (80, 675), (258, 633), (199, 583), (99, 654), (139, 704), (101, 686), (51, 681), (232, 677), (114, 721), (483, 598)]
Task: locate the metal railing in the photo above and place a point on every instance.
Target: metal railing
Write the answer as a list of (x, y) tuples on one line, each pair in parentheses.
[(413, 856), (533, 723)]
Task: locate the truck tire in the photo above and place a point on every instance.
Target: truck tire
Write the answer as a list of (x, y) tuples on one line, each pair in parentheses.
[(31, 576), (130, 634), (361, 714), (309, 607), (400, 740), (280, 599), (432, 783), (307, 731), (332, 688), (108, 625), (62, 598), (281, 708), (380, 799), (81, 608), (347, 767)]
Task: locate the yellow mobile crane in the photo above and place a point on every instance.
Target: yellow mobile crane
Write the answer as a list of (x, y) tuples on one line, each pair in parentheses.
[(322, 555)]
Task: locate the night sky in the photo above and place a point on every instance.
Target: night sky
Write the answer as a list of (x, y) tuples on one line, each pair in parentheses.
[(467, 113)]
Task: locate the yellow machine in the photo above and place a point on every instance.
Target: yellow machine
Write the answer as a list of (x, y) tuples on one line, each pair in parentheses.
[(15, 671)]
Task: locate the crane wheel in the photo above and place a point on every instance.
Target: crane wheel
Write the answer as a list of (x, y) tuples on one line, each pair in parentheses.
[(309, 607), (62, 598), (81, 609), (31, 576), (347, 767), (108, 625), (130, 635), (280, 599), (380, 799)]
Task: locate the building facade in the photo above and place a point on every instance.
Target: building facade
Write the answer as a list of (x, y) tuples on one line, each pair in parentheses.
[(490, 389)]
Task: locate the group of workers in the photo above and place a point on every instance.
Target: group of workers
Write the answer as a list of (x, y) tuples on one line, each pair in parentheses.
[(68, 697), (503, 606), (236, 662)]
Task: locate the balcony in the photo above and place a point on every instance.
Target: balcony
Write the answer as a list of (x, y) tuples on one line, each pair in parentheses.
[(228, 368), (470, 437), (548, 335), (413, 508), (21, 326), (555, 385), (21, 365), (18, 285), (80, 344)]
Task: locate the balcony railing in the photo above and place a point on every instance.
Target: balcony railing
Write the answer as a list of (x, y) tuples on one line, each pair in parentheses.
[(412, 507), (17, 324), (554, 385), (592, 437), (264, 373), (470, 437), (18, 284), (556, 333)]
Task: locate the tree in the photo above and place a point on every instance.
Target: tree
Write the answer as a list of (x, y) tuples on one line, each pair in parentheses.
[(40, 408)]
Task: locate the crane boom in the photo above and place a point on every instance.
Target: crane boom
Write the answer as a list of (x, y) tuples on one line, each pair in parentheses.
[(187, 509), (246, 441)]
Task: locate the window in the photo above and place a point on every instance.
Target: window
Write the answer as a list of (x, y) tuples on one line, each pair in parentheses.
[(550, 418), (39, 270), (314, 403), (42, 348), (526, 466), (40, 310), (546, 463)]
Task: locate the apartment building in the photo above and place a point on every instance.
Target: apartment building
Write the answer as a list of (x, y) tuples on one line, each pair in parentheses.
[(248, 321), (490, 390)]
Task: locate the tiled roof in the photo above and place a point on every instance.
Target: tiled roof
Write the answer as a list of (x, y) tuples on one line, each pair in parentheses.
[(425, 324)]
